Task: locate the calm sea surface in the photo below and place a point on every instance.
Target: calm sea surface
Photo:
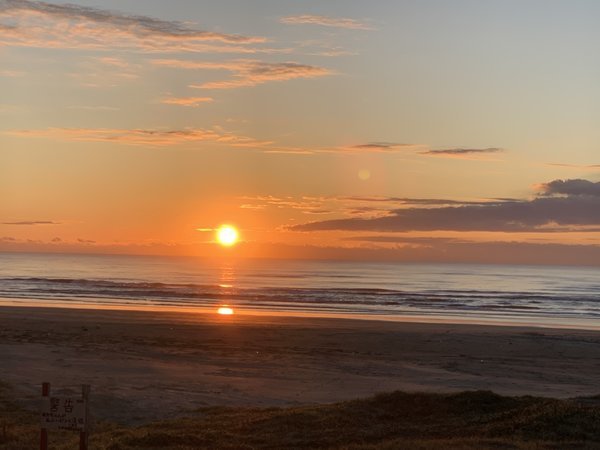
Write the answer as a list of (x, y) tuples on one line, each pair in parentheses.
[(524, 293)]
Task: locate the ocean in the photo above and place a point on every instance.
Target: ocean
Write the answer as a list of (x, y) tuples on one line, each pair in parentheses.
[(456, 292)]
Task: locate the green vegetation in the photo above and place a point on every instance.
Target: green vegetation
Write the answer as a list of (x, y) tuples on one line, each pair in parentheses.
[(468, 420)]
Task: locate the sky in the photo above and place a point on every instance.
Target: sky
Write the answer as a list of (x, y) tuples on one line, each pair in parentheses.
[(389, 130)]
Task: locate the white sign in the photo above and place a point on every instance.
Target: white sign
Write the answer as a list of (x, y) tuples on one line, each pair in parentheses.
[(63, 413)]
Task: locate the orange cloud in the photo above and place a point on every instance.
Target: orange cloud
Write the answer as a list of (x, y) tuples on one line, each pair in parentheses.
[(154, 138), (248, 72), (32, 222), (351, 24), (47, 25), (462, 153), (377, 147), (187, 101)]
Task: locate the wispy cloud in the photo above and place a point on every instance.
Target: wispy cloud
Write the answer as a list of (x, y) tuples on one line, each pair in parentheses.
[(166, 137), (103, 72), (378, 147), (403, 239), (11, 73), (32, 222), (49, 25), (337, 22), (395, 147), (94, 108), (425, 202), (305, 204), (320, 47), (143, 137), (356, 149), (247, 72), (576, 166), (462, 152), (187, 101), (115, 62), (381, 147), (351, 206)]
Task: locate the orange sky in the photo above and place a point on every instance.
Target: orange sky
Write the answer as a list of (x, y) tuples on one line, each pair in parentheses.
[(335, 130)]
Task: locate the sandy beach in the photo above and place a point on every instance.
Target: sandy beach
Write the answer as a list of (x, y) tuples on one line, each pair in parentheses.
[(145, 365)]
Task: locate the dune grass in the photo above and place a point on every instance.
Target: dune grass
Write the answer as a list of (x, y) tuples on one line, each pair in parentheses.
[(467, 420)]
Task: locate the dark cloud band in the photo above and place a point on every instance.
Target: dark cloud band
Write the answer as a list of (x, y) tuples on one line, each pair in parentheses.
[(542, 214)]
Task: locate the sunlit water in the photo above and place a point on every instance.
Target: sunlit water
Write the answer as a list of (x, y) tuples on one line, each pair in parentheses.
[(528, 293)]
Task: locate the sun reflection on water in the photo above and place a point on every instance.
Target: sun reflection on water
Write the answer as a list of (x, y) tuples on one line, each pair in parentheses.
[(225, 311)]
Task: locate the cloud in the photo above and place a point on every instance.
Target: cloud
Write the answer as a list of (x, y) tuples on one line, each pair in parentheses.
[(423, 201), (11, 73), (576, 166), (48, 25), (94, 108), (337, 22), (352, 206), (332, 52), (462, 152), (105, 72), (571, 187), (321, 47), (144, 137), (378, 146), (351, 149), (32, 222), (187, 101), (116, 66), (247, 72), (395, 147), (305, 204), (374, 147), (112, 61), (382, 147), (578, 210), (405, 240), (159, 137)]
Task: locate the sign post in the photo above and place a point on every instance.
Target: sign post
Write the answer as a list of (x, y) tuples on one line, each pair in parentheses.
[(44, 431), (65, 413), (84, 434)]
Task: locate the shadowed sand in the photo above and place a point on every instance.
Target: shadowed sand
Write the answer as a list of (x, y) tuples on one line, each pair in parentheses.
[(149, 365)]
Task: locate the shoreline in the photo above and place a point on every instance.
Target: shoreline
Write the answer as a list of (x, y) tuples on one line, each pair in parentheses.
[(148, 365), (458, 318)]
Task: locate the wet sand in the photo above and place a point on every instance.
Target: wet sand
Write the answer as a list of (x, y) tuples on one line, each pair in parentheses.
[(146, 365)]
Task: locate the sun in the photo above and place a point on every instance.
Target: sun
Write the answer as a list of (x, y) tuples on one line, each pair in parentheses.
[(227, 235)]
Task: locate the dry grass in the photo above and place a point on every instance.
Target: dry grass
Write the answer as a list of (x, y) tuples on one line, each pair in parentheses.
[(468, 420)]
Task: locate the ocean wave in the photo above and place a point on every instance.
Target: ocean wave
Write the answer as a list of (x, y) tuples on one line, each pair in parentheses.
[(373, 300)]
